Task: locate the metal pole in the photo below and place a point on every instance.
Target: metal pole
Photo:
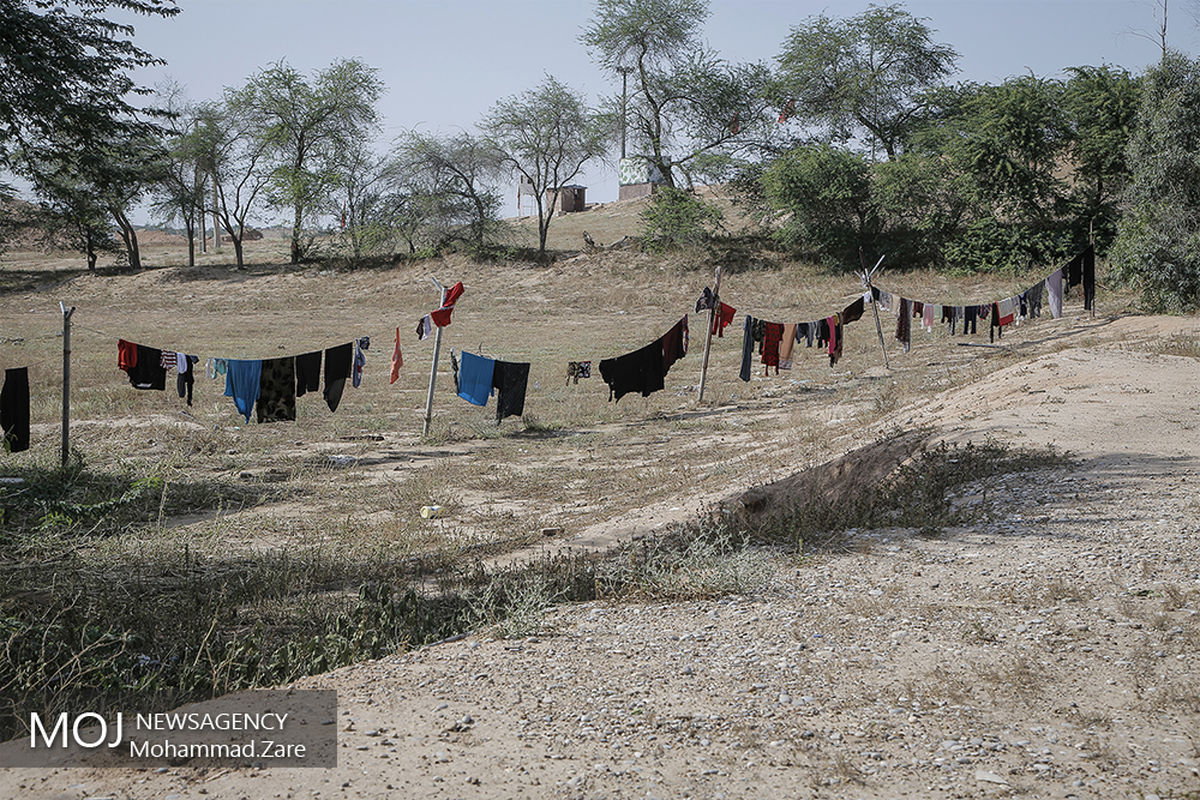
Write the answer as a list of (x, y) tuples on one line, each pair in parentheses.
[(712, 315), (437, 349), (66, 391), (624, 83)]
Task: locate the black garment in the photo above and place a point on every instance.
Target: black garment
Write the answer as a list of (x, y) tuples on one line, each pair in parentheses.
[(337, 370), (904, 324), (747, 348), (148, 372), (1082, 269), (510, 380), (639, 371), (996, 330), (1033, 299), (674, 344), (707, 300), (277, 390), (854, 311), (970, 319), (308, 373), (822, 334), (186, 378), (14, 409)]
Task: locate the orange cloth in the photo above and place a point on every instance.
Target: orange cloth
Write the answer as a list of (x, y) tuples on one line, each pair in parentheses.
[(397, 360)]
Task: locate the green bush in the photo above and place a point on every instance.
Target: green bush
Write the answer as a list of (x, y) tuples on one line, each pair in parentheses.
[(675, 218)]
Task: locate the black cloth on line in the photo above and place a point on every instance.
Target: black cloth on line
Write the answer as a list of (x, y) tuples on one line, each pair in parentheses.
[(510, 380), (148, 372), (185, 379), (14, 409), (308, 373), (747, 348), (854, 311), (277, 390), (337, 369), (639, 371)]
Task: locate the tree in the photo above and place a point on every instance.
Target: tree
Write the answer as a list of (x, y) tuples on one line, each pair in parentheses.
[(455, 176), (546, 135), (1157, 247), (235, 157), (824, 197), (1101, 106), (306, 126), (865, 74), (179, 191), (65, 69), (363, 206), (72, 214), (687, 102)]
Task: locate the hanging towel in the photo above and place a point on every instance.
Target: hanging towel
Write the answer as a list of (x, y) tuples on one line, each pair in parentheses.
[(242, 383), (772, 338), (337, 369), (475, 375), (1007, 309), (931, 311), (510, 380), (14, 409), (1033, 299), (835, 339), (308, 373), (1054, 291), (441, 317), (747, 348), (277, 390), (397, 360)]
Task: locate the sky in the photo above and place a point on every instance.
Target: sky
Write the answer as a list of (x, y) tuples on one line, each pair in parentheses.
[(445, 62)]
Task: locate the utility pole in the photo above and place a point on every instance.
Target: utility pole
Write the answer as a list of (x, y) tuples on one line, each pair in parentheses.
[(624, 94)]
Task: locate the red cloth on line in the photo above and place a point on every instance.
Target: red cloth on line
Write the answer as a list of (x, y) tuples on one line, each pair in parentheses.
[(126, 355), (397, 359), (441, 317), (723, 317), (772, 336)]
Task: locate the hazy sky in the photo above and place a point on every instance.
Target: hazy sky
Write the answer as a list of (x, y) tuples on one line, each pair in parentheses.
[(445, 62)]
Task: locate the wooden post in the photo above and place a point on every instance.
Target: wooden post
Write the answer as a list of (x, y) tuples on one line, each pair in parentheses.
[(437, 348), (712, 315), (866, 279), (66, 386)]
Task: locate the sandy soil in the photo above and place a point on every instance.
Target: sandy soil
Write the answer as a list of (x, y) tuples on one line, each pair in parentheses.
[(1050, 652)]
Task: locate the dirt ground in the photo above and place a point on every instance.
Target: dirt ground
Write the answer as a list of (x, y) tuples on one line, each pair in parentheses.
[(1047, 652)]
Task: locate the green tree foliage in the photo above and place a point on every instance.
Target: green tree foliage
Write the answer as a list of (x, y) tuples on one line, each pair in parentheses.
[(449, 191), (825, 202), (1158, 243), (306, 127), (1101, 106), (546, 135), (862, 76), (64, 70), (178, 192), (689, 109), (676, 218)]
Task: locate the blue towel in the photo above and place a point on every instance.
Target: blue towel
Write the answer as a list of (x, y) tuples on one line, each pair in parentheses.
[(242, 383), (475, 378)]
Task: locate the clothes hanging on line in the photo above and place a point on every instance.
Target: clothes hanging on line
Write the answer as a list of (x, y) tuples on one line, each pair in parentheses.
[(510, 380), (639, 371), (338, 361), (146, 370), (441, 317), (675, 343), (577, 370), (475, 375), (308, 373), (360, 359), (14, 410), (242, 383), (397, 360), (424, 327), (1082, 269), (276, 400), (185, 375)]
